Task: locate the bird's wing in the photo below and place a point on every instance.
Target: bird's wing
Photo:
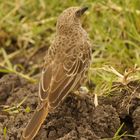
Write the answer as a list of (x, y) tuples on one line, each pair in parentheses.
[(64, 80), (58, 79), (46, 78), (61, 77)]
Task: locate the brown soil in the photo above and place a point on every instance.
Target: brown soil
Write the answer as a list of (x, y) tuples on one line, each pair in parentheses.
[(76, 118)]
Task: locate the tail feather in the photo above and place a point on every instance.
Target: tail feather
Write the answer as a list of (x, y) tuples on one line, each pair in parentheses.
[(34, 125)]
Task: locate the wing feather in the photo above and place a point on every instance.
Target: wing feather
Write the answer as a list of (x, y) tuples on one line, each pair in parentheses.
[(63, 75), (70, 79), (46, 77)]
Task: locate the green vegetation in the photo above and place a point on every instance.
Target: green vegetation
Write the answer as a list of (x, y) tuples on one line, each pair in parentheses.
[(118, 136), (27, 26), (15, 109), (4, 132)]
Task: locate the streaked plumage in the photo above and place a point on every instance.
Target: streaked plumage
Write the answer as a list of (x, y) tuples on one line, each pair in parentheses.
[(65, 68)]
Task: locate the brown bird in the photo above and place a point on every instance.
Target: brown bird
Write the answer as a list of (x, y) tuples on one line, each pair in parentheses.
[(65, 68)]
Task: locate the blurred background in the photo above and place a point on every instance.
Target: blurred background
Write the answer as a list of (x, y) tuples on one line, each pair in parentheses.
[(27, 28)]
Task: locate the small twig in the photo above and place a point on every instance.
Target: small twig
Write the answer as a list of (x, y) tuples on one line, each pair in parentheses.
[(96, 100)]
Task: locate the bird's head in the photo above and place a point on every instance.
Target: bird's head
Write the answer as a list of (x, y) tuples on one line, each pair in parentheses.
[(69, 19)]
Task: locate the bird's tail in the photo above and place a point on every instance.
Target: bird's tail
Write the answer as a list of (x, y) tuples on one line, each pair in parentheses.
[(34, 125)]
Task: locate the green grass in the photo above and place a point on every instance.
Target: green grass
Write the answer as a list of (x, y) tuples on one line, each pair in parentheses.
[(113, 26), (118, 136)]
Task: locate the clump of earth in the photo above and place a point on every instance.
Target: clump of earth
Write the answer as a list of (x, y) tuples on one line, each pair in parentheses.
[(76, 118)]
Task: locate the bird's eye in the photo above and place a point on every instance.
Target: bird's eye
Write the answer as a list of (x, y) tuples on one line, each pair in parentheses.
[(78, 13)]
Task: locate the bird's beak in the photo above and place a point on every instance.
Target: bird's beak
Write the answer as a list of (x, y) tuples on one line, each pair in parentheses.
[(81, 11)]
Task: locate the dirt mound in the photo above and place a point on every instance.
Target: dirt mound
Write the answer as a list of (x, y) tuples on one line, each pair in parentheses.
[(75, 119)]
